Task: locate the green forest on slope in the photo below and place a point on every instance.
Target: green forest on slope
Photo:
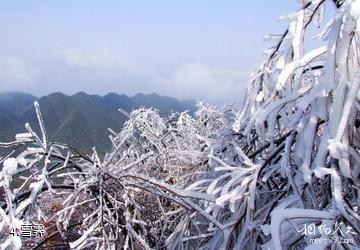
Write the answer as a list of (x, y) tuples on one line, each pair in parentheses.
[(80, 120)]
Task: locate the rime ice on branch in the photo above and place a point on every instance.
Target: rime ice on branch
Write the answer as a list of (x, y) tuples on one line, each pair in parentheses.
[(221, 179)]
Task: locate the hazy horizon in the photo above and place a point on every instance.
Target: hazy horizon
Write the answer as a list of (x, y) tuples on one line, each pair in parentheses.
[(101, 95), (189, 50)]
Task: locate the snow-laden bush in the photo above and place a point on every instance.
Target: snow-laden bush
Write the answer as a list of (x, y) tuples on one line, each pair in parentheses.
[(295, 159), (289, 158), (131, 198)]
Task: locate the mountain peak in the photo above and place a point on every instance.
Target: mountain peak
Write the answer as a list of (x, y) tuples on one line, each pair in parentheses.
[(57, 94), (16, 94), (111, 94), (80, 94)]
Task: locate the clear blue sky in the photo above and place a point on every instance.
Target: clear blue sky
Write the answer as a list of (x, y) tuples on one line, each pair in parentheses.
[(202, 49)]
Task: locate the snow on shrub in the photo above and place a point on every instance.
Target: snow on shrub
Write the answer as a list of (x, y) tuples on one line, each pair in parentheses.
[(289, 158)]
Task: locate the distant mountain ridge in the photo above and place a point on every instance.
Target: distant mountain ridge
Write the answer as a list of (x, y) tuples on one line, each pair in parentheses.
[(80, 120)]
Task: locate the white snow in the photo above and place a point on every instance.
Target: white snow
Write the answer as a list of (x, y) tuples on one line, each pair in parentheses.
[(10, 166)]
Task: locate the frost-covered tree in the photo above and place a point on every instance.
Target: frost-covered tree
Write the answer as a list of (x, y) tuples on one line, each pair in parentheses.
[(222, 178), (132, 198), (295, 158), (302, 113)]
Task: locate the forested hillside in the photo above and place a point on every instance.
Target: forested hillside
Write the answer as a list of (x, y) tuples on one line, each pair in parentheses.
[(80, 120)]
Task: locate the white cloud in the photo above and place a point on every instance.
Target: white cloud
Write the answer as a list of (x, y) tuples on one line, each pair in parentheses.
[(16, 73), (121, 70), (102, 61), (206, 82), (84, 59), (101, 71)]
